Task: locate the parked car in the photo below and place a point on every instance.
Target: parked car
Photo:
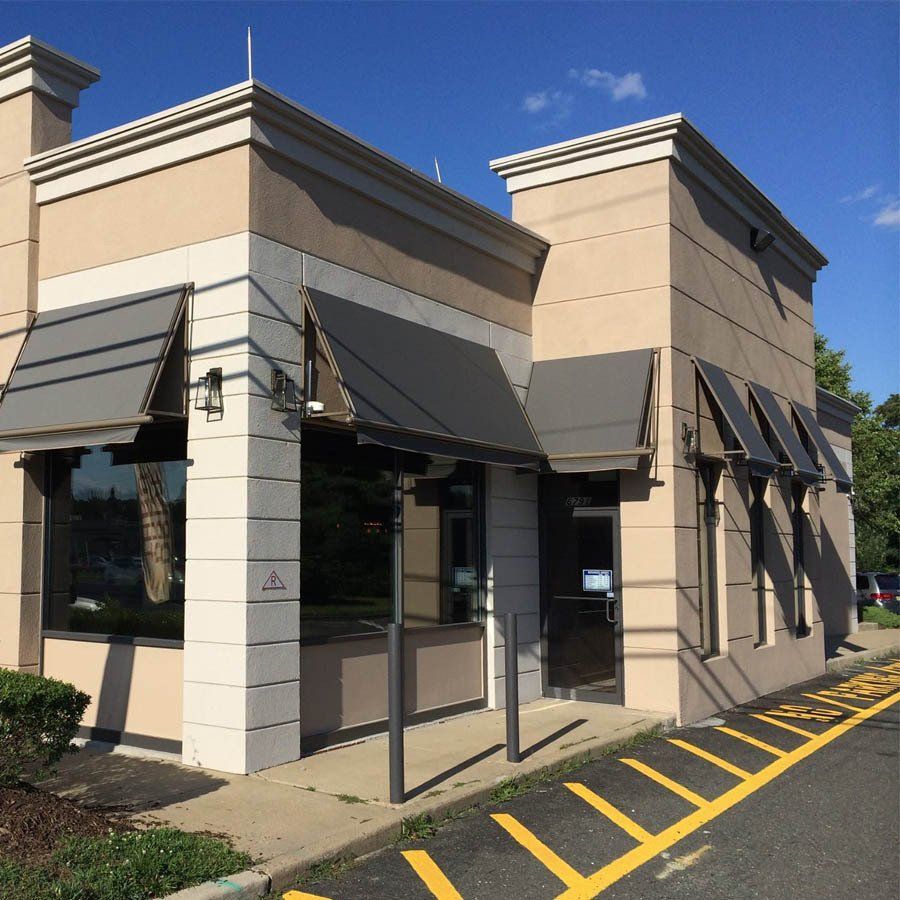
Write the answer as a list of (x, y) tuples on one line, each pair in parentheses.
[(877, 589)]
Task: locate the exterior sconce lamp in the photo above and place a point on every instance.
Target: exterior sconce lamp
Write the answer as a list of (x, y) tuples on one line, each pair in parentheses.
[(284, 394), (690, 439), (760, 239), (209, 392)]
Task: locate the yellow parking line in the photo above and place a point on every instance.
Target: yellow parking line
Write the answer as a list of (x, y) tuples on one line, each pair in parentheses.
[(627, 863), (559, 867), (801, 731), (711, 757), (762, 745), (659, 778), (833, 702), (433, 878), (614, 815), (301, 895)]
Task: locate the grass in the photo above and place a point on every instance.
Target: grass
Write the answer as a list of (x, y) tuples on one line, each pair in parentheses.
[(350, 798), (418, 828), (881, 616), (138, 865), (325, 869)]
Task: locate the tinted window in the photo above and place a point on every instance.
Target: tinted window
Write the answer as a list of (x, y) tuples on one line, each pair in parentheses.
[(346, 540), (888, 582), (117, 543)]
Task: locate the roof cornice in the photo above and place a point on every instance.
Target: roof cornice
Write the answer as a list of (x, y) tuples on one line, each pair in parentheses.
[(252, 113), (31, 65), (670, 137), (840, 407)]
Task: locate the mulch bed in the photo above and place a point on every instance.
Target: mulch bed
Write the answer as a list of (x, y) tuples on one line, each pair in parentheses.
[(34, 822)]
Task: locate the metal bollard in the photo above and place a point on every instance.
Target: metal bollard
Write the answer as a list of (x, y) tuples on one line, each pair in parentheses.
[(512, 690), (395, 712)]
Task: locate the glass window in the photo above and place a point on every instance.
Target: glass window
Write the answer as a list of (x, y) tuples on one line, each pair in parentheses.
[(346, 541), (117, 542), (798, 515)]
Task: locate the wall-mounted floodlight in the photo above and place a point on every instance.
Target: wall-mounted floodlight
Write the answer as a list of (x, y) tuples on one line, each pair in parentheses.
[(209, 392), (284, 395), (760, 239)]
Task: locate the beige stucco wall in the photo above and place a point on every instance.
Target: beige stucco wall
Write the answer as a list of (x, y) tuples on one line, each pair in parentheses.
[(838, 539), (305, 210), (135, 690), (646, 256), (184, 204), (29, 123), (344, 683)]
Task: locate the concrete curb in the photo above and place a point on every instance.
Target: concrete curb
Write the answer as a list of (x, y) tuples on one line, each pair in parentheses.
[(282, 872), (839, 663)]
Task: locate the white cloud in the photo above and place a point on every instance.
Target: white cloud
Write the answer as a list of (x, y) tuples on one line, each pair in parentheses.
[(867, 193), (619, 87), (889, 215), (556, 103)]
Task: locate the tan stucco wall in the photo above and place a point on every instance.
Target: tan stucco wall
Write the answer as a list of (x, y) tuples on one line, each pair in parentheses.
[(344, 683), (648, 256), (29, 123), (838, 575), (184, 204), (309, 212), (135, 690)]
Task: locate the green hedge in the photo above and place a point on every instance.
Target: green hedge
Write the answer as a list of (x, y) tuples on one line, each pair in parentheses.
[(881, 616), (39, 717)]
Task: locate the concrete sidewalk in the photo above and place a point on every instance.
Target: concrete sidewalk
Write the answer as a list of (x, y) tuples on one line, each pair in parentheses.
[(335, 802), (843, 650)]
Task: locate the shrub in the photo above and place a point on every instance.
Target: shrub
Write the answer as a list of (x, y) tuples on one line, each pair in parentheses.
[(38, 719), (881, 616)]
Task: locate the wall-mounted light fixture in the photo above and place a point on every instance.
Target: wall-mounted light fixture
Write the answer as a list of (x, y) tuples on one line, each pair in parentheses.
[(760, 239), (690, 439), (284, 394), (209, 392)]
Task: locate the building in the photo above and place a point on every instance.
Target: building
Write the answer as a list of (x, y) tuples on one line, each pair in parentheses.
[(247, 349)]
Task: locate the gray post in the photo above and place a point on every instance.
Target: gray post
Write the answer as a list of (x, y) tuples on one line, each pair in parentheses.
[(395, 647), (395, 712), (512, 689)]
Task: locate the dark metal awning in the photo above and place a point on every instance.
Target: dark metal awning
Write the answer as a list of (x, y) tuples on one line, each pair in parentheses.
[(756, 451), (804, 468), (415, 388), (807, 419), (593, 413), (93, 373)]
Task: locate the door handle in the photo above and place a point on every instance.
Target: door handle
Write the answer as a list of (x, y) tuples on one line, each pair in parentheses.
[(610, 606)]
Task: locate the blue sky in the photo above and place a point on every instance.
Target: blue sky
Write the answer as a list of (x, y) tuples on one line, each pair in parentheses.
[(803, 97)]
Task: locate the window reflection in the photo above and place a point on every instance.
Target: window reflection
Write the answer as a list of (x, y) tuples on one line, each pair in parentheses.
[(347, 492), (117, 543)]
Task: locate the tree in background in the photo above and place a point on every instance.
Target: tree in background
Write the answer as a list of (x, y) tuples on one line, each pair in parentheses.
[(876, 463)]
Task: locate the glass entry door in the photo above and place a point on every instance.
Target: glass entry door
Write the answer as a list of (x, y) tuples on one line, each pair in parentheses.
[(581, 593)]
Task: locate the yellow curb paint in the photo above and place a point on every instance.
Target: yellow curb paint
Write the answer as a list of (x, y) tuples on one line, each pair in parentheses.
[(659, 778), (432, 877), (801, 731), (762, 745), (540, 851), (710, 757), (833, 702), (629, 826), (627, 863)]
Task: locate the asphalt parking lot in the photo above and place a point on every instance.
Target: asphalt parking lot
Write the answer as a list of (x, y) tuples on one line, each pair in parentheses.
[(793, 795)]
